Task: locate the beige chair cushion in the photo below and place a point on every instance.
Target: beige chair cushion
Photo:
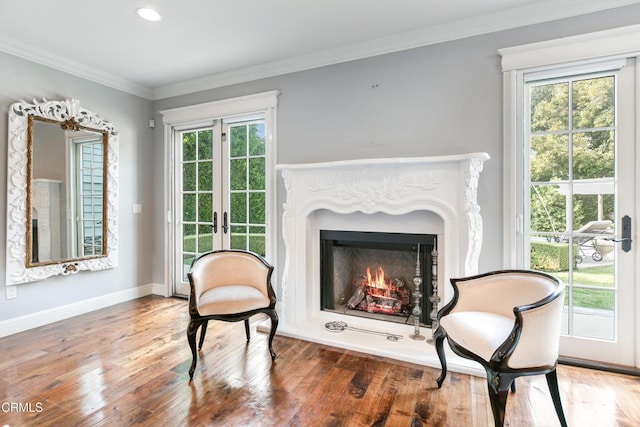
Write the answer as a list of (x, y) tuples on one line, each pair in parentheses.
[(481, 333), (231, 299)]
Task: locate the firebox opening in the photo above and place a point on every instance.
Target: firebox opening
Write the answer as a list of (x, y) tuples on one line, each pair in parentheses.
[(370, 274)]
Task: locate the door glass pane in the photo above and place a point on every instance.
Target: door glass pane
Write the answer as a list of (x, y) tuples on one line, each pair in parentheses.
[(247, 186), (572, 198), (239, 208), (238, 237), (550, 107), (238, 174), (205, 208), (189, 177), (238, 141), (188, 207), (189, 238), (593, 312), (205, 238), (256, 173), (205, 176), (197, 195), (592, 102), (187, 259), (256, 208), (205, 148), (257, 239), (256, 139), (188, 146), (548, 208), (549, 158), (593, 154)]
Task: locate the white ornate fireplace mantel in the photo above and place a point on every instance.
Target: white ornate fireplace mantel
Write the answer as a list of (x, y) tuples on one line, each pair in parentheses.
[(357, 191)]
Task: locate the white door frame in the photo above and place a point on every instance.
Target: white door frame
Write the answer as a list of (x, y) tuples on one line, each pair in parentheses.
[(584, 51), (197, 115)]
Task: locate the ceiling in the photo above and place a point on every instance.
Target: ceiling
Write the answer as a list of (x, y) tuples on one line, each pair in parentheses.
[(213, 43)]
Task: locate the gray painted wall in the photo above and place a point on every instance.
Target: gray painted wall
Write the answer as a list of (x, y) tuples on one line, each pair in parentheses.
[(22, 80), (436, 100)]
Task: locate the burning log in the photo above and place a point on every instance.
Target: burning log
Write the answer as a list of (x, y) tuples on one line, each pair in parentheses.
[(377, 295)]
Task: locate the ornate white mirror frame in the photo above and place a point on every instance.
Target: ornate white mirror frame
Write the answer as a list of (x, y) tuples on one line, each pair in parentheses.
[(17, 190)]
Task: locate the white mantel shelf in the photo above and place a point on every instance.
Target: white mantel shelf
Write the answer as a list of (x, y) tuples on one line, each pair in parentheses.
[(428, 195), (387, 161)]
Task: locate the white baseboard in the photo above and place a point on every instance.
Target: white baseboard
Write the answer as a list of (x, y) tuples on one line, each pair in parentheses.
[(160, 289), (45, 317)]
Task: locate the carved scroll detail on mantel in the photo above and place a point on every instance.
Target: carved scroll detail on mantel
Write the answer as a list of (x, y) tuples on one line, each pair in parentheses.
[(372, 186), (472, 210)]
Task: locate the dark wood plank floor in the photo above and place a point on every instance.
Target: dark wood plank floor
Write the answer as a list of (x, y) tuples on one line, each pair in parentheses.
[(127, 365)]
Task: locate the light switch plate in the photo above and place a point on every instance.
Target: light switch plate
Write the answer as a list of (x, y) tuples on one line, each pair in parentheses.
[(12, 292)]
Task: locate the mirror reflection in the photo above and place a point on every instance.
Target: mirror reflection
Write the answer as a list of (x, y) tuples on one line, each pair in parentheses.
[(66, 190)]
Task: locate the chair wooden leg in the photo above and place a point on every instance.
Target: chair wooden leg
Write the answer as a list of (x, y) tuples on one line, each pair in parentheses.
[(274, 325), (247, 332), (513, 386), (498, 385), (438, 339), (192, 329), (203, 332), (552, 382)]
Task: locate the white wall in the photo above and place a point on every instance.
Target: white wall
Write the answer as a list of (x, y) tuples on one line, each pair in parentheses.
[(22, 80), (436, 100)]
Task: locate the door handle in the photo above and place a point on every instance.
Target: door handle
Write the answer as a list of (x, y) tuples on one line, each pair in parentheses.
[(215, 222), (625, 234), (225, 226)]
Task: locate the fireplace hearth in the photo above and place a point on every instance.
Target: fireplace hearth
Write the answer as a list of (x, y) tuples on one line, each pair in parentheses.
[(370, 274)]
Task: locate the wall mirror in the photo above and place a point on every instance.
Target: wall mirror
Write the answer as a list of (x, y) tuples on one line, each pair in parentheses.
[(61, 191)]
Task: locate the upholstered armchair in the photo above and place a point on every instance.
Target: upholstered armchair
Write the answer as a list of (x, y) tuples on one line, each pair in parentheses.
[(229, 285), (509, 322)]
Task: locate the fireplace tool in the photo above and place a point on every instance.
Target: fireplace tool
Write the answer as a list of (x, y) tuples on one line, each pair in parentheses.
[(417, 311), (338, 326), (434, 298)]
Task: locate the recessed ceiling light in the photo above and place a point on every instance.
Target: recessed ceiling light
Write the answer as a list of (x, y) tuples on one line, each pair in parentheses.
[(148, 14)]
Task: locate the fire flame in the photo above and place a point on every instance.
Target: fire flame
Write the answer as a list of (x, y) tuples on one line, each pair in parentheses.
[(378, 282)]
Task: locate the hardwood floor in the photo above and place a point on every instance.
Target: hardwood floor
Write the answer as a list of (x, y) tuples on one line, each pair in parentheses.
[(127, 365)]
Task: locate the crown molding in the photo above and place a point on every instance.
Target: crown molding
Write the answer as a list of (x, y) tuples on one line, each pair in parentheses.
[(40, 56), (533, 13), (506, 19)]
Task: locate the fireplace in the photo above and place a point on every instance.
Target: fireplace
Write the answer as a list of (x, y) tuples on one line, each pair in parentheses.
[(370, 274), (427, 196)]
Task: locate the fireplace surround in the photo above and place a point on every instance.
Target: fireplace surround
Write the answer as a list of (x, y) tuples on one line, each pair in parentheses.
[(426, 195)]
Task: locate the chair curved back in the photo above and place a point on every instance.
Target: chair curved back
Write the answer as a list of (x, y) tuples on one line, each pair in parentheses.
[(226, 268), (499, 292), (538, 344)]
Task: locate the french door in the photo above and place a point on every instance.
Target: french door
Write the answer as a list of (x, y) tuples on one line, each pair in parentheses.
[(220, 194), (579, 203)]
